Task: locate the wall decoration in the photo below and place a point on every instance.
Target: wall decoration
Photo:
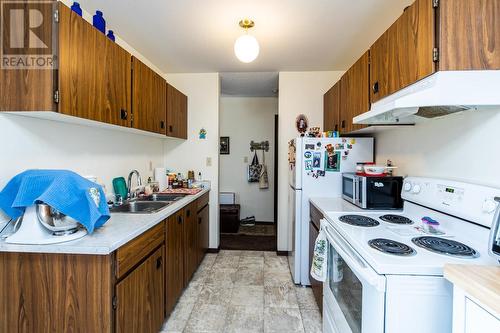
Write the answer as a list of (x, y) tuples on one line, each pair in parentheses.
[(301, 123), (224, 145), (203, 134), (332, 161), (308, 165)]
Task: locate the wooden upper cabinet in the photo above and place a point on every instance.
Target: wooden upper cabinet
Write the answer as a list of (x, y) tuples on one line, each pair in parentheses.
[(331, 108), (469, 35), (354, 97), (140, 297), (148, 99), (404, 53), (94, 73), (177, 105)]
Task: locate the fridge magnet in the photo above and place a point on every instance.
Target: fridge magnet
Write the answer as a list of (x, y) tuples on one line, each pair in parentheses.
[(344, 157), (329, 148), (349, 146), (318, 145), (307, 154), (301, 124), (309, 165), (317, 160), (339, 146), (203, 134), (346, 152), (224, 145), (353, 141), (344, 140), (320, 173), (332, 162), (309, 146)]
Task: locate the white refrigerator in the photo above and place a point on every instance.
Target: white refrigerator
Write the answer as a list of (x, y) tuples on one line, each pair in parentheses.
[(315, 170)]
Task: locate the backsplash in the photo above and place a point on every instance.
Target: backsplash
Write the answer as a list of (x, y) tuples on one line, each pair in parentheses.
[(463, 147)]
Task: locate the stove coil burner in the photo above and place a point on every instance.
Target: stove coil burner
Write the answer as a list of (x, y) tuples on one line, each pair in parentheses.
[(359, 220), (391, 247), (396, 219), (445, 246)]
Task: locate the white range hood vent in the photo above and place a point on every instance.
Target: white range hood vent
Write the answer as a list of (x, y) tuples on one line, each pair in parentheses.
[(438, 95)]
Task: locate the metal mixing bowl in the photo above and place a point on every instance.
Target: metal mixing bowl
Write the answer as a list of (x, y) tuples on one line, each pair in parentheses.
[(53, 220)]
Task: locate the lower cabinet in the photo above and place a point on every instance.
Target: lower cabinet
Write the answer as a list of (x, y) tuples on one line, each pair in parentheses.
[(174, 241), (190, 242), (203, 231), (140, 302)]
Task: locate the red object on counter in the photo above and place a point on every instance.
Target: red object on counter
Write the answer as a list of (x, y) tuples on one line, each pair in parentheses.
[(182, 191)]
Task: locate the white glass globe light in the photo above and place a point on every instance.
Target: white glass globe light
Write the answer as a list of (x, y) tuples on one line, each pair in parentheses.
[(246, 48)]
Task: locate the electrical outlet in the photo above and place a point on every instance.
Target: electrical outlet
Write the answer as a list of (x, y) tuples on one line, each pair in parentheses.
[(245, 159), (209, 161)]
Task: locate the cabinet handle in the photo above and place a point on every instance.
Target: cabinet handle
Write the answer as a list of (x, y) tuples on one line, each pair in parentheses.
[(162, 124), (159, 262), (170, 128), (179, 219), (199, 220), (336, 127), (123, 114), (188, 213), (342, 124), (375, 87)]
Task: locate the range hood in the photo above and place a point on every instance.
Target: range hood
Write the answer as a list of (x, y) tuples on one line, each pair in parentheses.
[(438, 95)]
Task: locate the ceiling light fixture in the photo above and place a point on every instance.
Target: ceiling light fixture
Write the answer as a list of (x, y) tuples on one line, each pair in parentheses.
[(246, 47)]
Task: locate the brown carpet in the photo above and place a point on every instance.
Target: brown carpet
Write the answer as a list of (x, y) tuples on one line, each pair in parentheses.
[(246, 242)]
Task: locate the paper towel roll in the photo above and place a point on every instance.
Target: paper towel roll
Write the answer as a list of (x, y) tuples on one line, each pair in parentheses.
[(161, 177)]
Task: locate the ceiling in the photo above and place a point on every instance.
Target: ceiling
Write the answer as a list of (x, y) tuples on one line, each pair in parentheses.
[(294, 35), (249, 84)]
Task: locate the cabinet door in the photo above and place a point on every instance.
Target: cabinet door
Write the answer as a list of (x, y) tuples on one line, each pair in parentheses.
[(328, 121), (176, 113), (203, 232), (140, 297), (174, 259), (354, 96), (149, 100), (190, 242), (404, 53), (94, 73)]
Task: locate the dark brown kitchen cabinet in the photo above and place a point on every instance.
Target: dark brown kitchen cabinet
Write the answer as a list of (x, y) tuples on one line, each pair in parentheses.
[(177, 104), (140, 297), (174, 259), (93, 72), (148, 99), (354, 99), (190, 241), (331, 106), (404, 53), (203, 216)]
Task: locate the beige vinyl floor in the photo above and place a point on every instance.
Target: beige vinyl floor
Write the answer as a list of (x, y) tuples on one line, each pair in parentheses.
[(244, 291)]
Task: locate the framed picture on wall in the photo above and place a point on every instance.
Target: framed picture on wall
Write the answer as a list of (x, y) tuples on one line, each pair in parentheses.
[(224, 145)]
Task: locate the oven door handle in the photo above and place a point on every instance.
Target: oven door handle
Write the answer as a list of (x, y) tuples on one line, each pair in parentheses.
[(355, 262)]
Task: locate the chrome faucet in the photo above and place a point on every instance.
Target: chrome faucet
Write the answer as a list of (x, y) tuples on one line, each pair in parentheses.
[(133, 194)]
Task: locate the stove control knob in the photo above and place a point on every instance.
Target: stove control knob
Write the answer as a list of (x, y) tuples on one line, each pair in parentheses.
[(416, 189), (489, 206), (407, 187)]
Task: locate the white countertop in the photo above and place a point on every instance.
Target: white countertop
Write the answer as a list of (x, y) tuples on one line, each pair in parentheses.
[(335, 204), (118, 230)]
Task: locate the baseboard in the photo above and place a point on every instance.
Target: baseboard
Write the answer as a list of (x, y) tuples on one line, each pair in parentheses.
[(212, 250), (282, 253), (263, 223)]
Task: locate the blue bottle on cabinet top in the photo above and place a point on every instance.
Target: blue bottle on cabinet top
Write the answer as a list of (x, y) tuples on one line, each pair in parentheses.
[(99, 22), (76, 8), (110, 35)]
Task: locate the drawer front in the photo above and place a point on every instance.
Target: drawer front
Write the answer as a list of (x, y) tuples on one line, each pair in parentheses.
[(132, 253), (315, 215), (202, 201)]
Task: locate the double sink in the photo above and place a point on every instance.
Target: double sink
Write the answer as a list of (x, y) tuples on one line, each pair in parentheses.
[(148, 204)]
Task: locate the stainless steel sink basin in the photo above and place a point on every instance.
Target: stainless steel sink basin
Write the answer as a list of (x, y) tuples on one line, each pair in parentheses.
[(163, 197), (140, 207)]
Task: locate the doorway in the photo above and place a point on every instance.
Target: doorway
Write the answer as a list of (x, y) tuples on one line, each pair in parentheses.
[(248, 150)]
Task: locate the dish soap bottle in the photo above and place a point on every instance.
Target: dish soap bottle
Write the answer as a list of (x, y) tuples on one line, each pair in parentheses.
[(99, 22), (76, 8)]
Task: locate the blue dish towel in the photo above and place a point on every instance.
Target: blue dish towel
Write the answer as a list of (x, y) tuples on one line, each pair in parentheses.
[(64, 190)]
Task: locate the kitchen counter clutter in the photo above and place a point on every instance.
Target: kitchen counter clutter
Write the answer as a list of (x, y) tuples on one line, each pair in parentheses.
[(120, 229), (481, 283)]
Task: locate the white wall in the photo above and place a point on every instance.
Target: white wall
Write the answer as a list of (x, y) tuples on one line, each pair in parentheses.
[(29, 143), (299, 92), (192, 154), (244, 119), (463, 147)]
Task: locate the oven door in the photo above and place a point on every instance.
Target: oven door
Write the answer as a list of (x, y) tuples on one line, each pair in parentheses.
[(354, 294), (382, 193)]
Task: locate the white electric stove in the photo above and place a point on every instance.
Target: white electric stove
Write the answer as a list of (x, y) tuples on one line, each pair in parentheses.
[(385, 269)]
